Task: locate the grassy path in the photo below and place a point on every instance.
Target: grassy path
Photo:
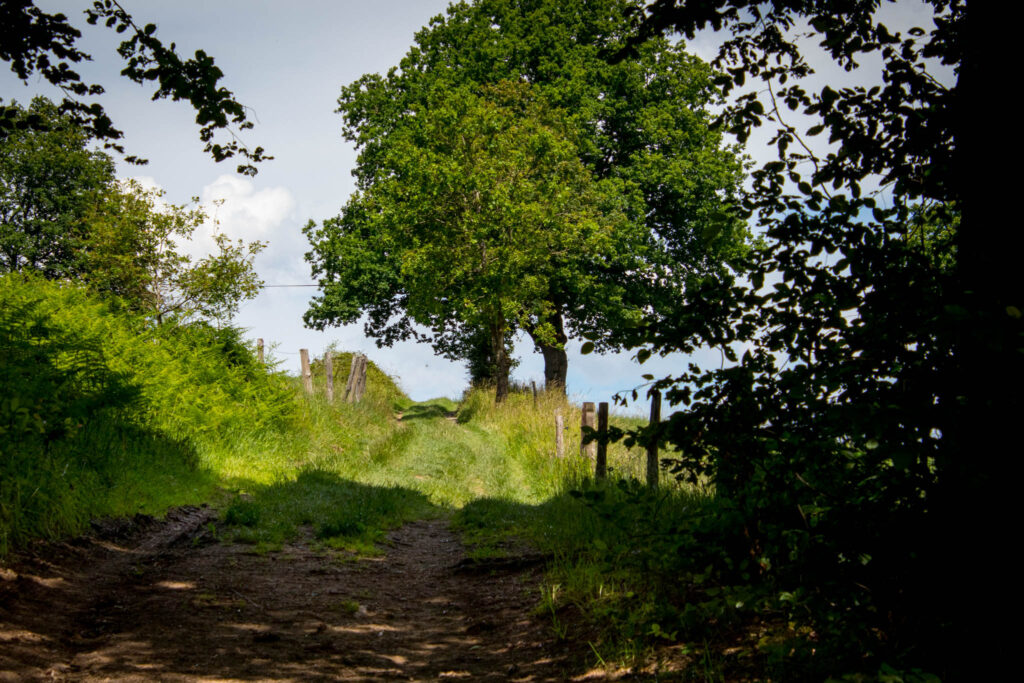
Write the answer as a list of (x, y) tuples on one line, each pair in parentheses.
[(453, 464), (382, 547), (422, 465)]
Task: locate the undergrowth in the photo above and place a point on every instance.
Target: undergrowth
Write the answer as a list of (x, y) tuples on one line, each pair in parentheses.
[(106, 414), (103, 413), (609, 541), (653, 579)]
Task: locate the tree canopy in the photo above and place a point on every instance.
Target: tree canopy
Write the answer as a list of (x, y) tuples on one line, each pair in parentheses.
[(638, 128), (49, 181), (488, 203), (133, 252), (34, 41), (875, 353), (65, 216)]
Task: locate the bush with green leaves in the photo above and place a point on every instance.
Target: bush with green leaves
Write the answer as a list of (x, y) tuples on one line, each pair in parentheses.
[(102, 412), (131, 252)]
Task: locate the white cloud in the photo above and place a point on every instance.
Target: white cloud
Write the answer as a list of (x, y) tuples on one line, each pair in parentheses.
[(236, 207), (246, 212)]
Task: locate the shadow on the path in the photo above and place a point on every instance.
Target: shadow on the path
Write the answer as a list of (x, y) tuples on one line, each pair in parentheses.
[(225, 610), (428, 410)]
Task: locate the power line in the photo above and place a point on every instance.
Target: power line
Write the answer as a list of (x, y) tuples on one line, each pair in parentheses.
[(269, 286)]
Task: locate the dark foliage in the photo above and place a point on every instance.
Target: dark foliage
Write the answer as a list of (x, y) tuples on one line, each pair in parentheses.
[(53, 382), (856, 433), (475, 348), (49, 182)]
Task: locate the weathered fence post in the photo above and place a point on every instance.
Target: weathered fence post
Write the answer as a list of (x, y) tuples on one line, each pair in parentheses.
[(329, 371), (534, 385), (360, 378), (652, 447), (356, 384), (259, 350), (351, 383), (587, 422), (307, 376), (559, 435), (601, 468)]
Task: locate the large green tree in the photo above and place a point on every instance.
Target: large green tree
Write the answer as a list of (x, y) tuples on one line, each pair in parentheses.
[(483, 203), (640, 124), (49, 181)]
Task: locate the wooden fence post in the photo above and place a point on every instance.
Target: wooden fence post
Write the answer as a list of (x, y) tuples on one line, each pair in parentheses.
[(587, 420), (652, 447), (259, 350), (559, 435), (360, 385), (307, 377), (351, 382), (329, 371), (601, 468), (355, 386), (534, 385)]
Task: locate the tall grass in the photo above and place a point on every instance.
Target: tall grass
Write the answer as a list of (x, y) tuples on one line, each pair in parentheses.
[(611, 541), (329, 474), (527, 424), (103, 413), (316, 432)]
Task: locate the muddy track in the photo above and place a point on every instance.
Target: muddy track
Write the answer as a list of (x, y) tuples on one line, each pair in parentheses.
[(147, 600)]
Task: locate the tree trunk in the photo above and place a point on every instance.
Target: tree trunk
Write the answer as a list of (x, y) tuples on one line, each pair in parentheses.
[(556, 362), (501, 362), (556, 366)]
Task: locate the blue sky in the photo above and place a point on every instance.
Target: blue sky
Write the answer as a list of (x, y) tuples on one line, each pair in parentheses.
[(287, 61)]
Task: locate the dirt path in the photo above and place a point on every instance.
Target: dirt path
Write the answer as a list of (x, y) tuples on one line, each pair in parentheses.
[(165, 601)]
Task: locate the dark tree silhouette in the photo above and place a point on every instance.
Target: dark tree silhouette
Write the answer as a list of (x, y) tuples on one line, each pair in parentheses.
[(36, 42)]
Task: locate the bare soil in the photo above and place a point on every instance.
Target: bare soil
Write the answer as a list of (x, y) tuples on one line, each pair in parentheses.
[(143, 600)]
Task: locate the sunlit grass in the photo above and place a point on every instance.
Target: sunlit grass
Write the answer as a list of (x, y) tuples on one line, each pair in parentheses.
[(603, 537), (282, 465)]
